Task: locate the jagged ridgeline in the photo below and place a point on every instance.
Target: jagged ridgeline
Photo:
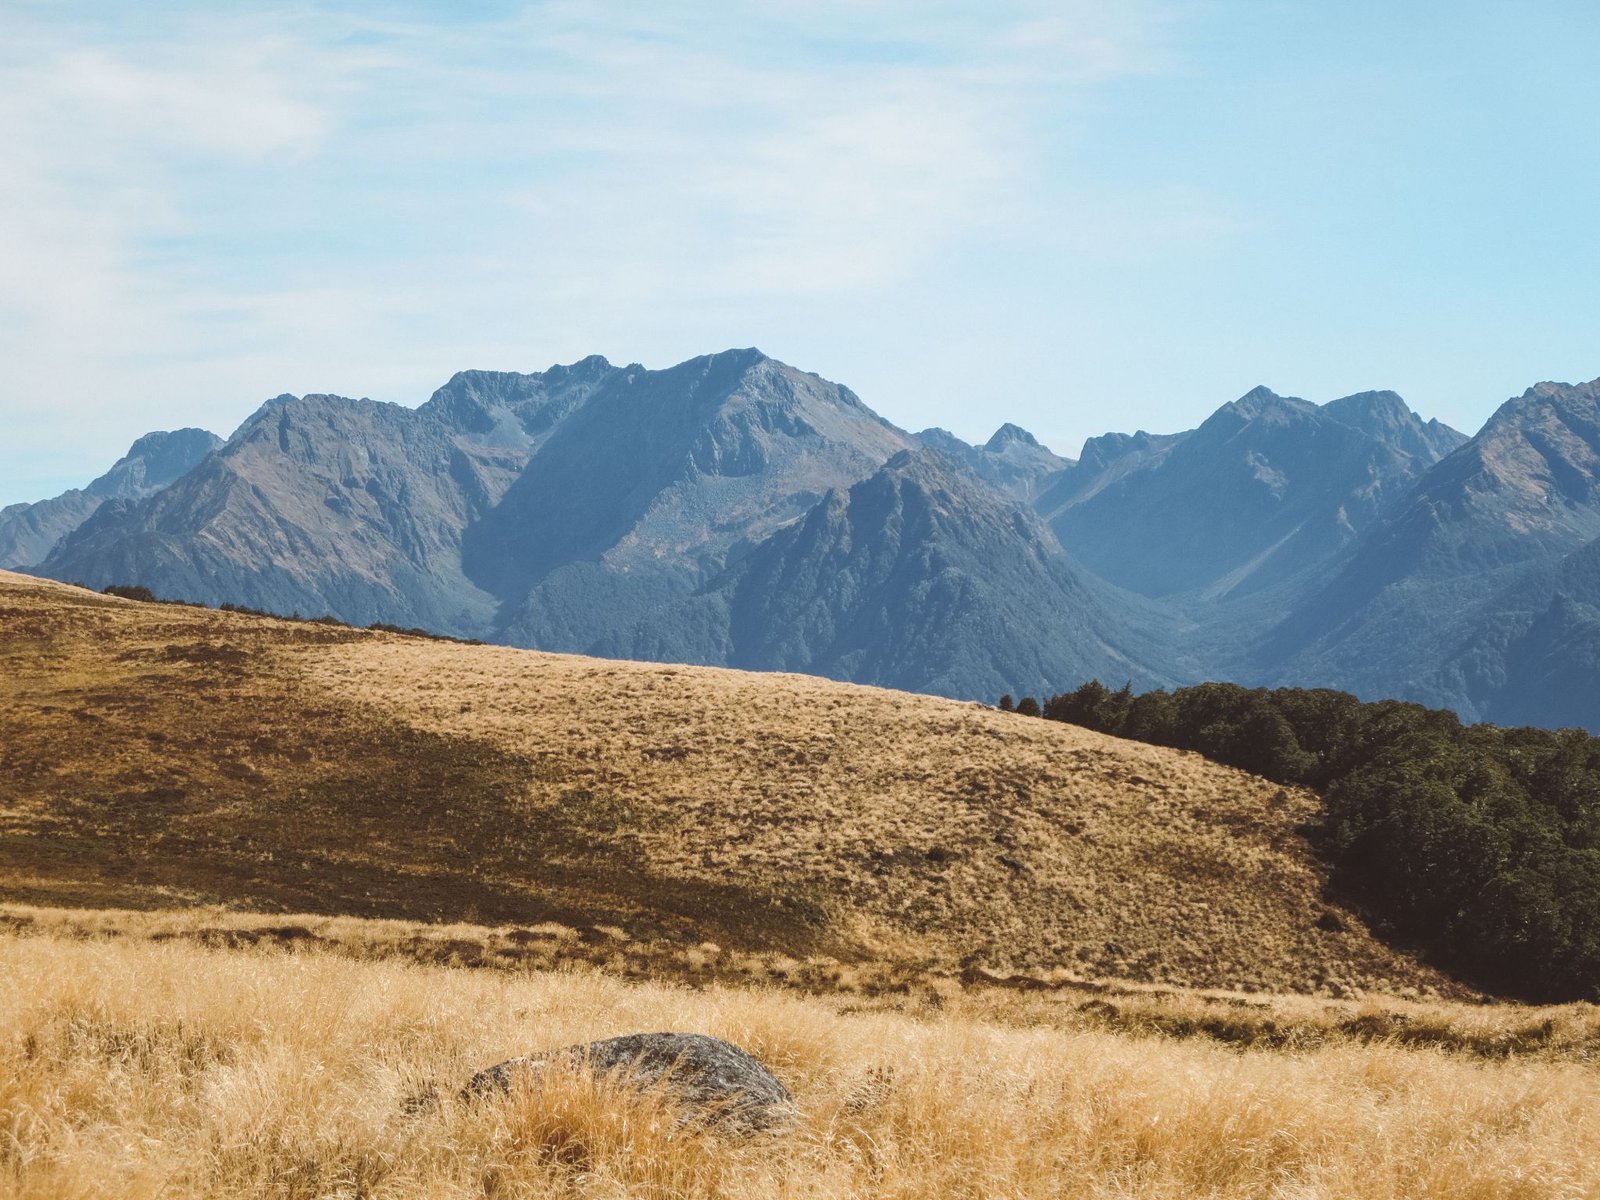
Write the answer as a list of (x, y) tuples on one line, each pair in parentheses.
[(733, 510), (1476, 844)]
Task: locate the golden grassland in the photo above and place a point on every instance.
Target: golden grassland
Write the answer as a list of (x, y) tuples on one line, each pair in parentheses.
[(155, 756), (1287, 1021), (139, 1070), (264, 884)]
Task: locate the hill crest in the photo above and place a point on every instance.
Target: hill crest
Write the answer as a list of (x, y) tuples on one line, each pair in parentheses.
[(158, 755)]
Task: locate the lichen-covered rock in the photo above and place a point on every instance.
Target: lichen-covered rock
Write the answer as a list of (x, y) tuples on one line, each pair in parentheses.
[(716, 1083)]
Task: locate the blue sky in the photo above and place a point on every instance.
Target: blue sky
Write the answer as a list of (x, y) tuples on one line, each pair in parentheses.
[(1079, 216)]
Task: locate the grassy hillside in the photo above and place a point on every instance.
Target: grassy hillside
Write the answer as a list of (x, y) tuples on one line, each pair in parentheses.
[(140, 1071), (1476, 844), (154, 756), (1254, 1021)]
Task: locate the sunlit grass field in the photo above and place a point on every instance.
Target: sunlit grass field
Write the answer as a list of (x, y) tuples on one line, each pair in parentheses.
[(132, 1069), (264, 885), (155, 756)]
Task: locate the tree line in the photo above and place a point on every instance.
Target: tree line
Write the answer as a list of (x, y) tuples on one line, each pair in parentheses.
[(1476, 845)]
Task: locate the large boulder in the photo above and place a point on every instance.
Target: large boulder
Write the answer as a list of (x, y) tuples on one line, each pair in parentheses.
[(716, 1083)]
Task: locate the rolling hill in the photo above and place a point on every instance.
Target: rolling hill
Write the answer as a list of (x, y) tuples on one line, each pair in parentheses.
[(158, 755)]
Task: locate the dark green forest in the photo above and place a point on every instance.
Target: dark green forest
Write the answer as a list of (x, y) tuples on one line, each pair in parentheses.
[(1474, 845)]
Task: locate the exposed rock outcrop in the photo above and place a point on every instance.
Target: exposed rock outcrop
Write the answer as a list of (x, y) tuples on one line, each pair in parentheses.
[(715, 1082)]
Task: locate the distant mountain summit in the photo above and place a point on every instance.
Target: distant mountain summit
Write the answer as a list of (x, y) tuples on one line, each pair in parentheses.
[(28, 532), (316, 504), (1011, 460), (1385, 417), (734, 510), (1268, 487), (1424, 606), (918, 573), (643, 492), (570, 509)]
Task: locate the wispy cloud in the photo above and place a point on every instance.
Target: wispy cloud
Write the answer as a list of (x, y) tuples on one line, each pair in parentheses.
[(204, 207)]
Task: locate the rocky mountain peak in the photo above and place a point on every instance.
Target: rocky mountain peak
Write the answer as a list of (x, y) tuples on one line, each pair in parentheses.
[(281, 400), (1563, 419), (1009, 434), (1259, 404), (591, 366), (1268, 487), (1542, 453), (513, 409), (929, 473), (942, 439), (29, 532), (1581, 395), (1361, 408), (153, 461), (1012, 460), (656, 479), (1100, 452), (918, 571), (1385, 416)]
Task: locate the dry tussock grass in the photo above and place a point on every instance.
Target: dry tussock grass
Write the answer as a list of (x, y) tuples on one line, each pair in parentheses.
[(153, 756), (136, 1070), (1288, 1022)]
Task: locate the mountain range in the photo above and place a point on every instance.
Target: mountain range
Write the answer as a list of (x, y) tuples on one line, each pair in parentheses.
[(28, 532), (733, 510)]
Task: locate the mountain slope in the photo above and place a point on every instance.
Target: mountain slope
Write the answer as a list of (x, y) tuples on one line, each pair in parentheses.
[(1550, 674), (1012, 460), (317, 504), (1414, 606), (548, 509), (735, 510), (1385, 416), (28, 532), (919, 578), (1268, 487), (156, 755), (641, 495)]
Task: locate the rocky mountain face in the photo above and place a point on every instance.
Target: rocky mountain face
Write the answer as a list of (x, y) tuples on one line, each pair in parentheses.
[(1385, 417), (1430, 604), (317, 504), (1265, 489), (572, 509), (734, 510), (321, 504), (1105, 460), (1538, 662), (28, 532), (645, 491), (1012, 460), (919, 577)]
